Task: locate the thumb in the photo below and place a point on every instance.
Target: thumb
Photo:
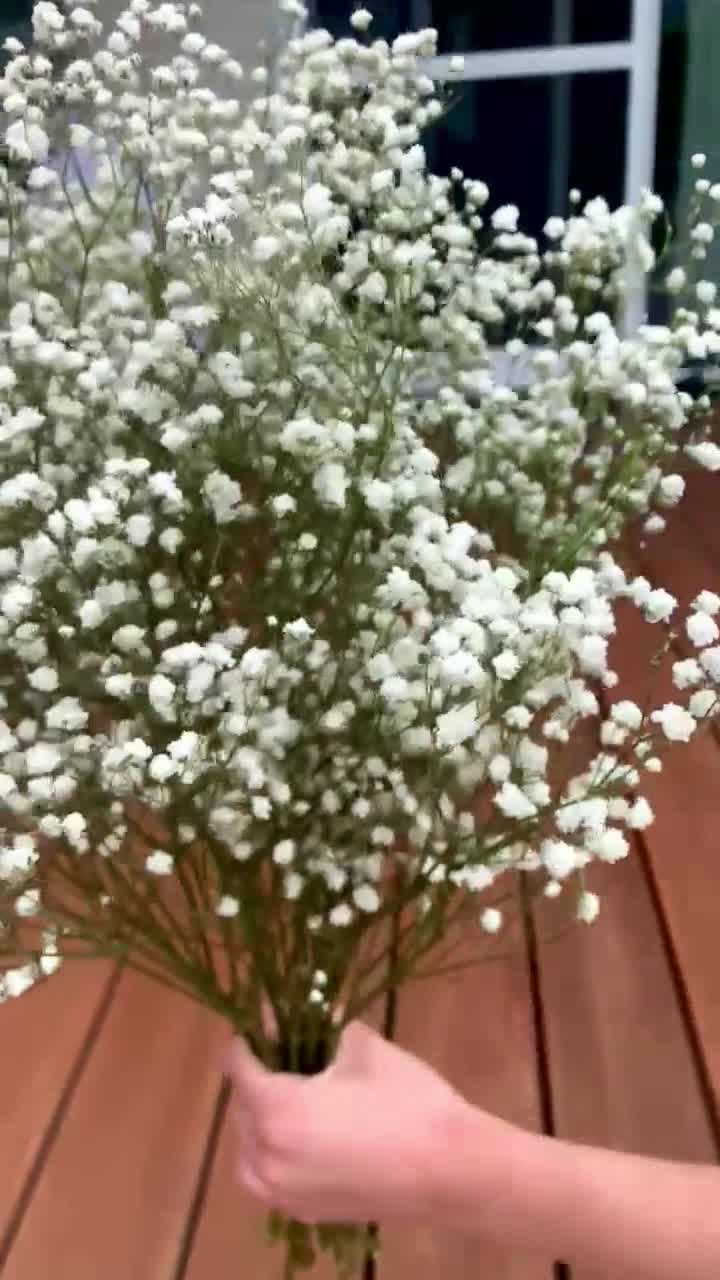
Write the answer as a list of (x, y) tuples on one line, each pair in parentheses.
[(246, 1071), (360, 1049)]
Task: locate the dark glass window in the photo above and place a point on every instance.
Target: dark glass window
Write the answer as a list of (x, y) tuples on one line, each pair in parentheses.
[(390, 17), (671, 99), (15, 13), (15, 20), (466, 26), (672, 91), (533, 139), (606, 20)]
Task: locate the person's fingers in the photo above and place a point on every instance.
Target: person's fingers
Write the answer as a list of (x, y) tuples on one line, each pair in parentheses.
[(243, 1124), (358, 1048), (269, 1021), (248, 1074), (251, 1181)]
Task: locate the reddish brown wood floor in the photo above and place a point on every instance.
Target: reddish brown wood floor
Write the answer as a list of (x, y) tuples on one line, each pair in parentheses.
[(115, 1154)]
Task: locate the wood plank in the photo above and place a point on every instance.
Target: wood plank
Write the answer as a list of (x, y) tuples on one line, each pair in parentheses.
[(42, 1038), (113, 1198), (701, 507), (684, 843), (478, 1031), (622, 1071), (682, 560)]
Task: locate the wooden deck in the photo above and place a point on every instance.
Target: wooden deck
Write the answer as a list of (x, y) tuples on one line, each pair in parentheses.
[(115, 1152)]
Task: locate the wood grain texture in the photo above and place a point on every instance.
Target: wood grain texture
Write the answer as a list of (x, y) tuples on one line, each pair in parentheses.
[(700, 509), (113, 1199), (683, 844), (477, 1030), (42, 1036), (622, 1072), (683, 559)]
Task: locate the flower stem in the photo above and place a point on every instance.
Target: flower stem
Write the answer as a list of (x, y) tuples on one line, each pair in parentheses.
[(389, 1027)]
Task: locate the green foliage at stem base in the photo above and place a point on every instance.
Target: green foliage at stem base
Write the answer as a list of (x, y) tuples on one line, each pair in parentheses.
[(349, 1245)]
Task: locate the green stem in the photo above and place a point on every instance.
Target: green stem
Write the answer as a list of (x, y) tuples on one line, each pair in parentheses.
[(389, 1029)]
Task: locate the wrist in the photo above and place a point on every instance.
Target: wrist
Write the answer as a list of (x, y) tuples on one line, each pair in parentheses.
[(486, 1173)]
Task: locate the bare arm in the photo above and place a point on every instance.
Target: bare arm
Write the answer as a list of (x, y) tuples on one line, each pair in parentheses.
[(380, 1136), (623, 1215)]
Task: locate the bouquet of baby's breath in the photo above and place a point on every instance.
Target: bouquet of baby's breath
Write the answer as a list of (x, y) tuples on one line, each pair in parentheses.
[(293, 652)]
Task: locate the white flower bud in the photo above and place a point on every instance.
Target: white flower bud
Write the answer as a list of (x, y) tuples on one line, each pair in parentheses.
[(159, 863)]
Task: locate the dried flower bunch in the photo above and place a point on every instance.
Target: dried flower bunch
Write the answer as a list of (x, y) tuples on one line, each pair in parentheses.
[(291, 649)]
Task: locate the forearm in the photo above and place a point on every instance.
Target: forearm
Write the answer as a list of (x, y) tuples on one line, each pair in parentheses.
[(639, 1218)]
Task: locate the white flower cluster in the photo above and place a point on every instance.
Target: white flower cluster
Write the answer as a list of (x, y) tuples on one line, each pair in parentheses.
[(333, 635)]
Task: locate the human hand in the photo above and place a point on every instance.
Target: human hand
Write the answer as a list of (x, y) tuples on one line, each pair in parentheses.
[(378, 1135)]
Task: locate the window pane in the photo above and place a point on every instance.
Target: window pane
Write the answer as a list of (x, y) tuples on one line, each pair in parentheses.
[(609, 20), (597, 156), (688, 116), (532, 139), (15, 20), (390, 17), (466, 26), (15, 12), (672, 93)]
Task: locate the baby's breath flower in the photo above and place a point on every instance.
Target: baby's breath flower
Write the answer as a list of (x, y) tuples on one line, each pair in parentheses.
[(227, 907), (160, 863), (491, 920), (707, 602), (305, 589), (559, 858), (361, 19), (284, 852), (702, 629), (610, 845), (640, 815), (15, 982), (340, 916), (676, 723), (456, 726), (366, 898), (588, 907)]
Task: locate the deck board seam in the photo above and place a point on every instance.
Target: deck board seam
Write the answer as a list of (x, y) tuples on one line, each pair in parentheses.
[(682, 993), (202, 1185), (561, 1270), (643, 851), (645, 565), (58, 1115)]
